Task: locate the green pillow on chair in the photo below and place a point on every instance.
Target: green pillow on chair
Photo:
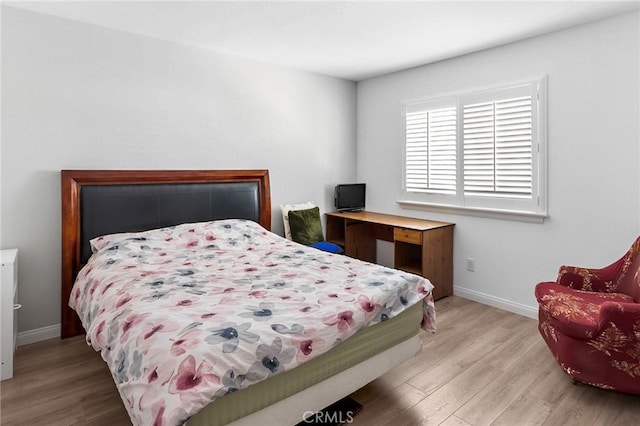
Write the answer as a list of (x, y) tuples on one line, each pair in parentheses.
[(306, 226)]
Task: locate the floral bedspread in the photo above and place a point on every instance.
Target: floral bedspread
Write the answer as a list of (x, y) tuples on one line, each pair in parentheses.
[(187, 314)]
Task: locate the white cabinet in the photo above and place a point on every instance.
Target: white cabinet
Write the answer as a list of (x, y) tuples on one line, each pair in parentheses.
[(8, 311)]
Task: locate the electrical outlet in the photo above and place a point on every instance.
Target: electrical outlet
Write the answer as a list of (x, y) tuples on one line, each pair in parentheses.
[(471, 264)]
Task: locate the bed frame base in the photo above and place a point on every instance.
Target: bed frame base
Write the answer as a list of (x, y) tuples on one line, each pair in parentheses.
[(292, 410)]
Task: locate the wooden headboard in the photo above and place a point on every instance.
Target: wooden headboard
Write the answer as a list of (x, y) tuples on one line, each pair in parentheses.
[(99, 202)]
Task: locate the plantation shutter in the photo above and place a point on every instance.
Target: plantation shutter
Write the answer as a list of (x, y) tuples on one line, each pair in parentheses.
[(498, 144), (483, 151), (430, 151)]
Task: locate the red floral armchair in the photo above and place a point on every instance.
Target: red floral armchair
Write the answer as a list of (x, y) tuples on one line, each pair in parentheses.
[(590, 319)]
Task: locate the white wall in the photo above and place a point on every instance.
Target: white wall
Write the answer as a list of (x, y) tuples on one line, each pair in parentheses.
[(81, 96), (593, 143)]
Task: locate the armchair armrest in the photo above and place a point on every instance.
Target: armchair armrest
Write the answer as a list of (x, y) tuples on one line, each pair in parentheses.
[(602, 280)]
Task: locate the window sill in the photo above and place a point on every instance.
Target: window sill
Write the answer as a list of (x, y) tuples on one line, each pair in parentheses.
[(515, 215)]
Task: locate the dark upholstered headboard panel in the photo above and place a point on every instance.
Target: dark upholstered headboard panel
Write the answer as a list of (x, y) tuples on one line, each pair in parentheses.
[(108, 209), (100, 202)]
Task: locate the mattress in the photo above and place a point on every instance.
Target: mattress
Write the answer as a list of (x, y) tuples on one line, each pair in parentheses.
[(358, 348)]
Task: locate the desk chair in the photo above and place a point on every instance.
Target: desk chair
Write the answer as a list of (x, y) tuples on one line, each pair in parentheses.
[(303, 224)]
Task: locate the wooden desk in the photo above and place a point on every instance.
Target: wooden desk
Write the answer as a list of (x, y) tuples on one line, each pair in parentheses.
[(423, 247)]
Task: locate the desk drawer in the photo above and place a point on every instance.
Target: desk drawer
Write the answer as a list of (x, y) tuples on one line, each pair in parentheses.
[(407, 235)]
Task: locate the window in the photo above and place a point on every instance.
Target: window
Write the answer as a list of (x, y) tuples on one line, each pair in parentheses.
[(482, 151)]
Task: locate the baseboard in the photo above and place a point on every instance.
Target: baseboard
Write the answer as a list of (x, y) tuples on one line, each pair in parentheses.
[(497, 302), (38, 334)]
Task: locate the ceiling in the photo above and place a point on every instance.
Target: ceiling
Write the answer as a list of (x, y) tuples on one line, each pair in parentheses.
[(353, 40)]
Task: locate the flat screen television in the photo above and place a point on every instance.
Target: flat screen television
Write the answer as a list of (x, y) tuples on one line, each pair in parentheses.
[(350, 197)]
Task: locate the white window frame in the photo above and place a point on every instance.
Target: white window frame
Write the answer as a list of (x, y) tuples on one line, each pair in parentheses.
[(532, 209)]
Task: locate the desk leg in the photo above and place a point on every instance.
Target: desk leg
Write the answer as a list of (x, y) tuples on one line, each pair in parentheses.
[(437, 260)]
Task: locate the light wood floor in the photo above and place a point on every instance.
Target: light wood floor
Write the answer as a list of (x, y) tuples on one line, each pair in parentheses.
[(483, 367)]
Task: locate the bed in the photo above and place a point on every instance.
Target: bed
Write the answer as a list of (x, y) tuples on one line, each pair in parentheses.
[(116, 222)]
